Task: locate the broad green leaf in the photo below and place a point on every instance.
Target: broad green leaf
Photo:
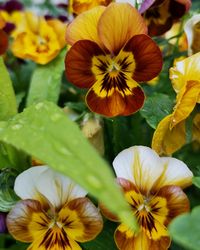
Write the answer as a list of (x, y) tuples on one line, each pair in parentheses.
[(8, 106), (44, 131), (156, 107), (7, 196), (46, 81), (185, 230), (196, 182)]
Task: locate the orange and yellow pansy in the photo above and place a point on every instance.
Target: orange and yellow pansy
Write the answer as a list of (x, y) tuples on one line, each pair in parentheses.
[(110, 54), (53, 213), (3, 37), (79, 6), (152, 186), (38, 39), (170, 134)]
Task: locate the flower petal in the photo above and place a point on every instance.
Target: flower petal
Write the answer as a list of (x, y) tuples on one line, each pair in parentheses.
[(176, 173), (114, 102), (140, 165), (118, 23), (167, 141), (80, 6), (78, 63), (186, 101), (189, 31), (81, 220), (57, 188), (27, 219), (3, 42), (147, 56), (56, 241), (25, 183), (177, 201), (42, 182), (125, 241), (84, 26), (185, 70)]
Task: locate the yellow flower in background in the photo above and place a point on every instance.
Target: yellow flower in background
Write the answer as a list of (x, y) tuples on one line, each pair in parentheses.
[(38, 39), (53, 213), (152, 186), (79, 6), (170, 134)]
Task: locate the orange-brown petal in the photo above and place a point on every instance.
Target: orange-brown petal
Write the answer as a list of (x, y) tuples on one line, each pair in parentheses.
[(78, 63), (177, 201), (111, 101), (21, 221), (84, 26), (118, 23), (81, 220), (147, 56), (3, 42), (126, 241)]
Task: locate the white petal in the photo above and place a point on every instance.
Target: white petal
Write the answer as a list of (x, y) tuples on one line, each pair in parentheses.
[(176, 173), (188, 28), (141, 165), (25, 183), (57, 188)]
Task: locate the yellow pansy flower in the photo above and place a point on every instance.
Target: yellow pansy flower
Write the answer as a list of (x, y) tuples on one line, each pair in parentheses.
[(152, 186), (38, 39), (53, 213)]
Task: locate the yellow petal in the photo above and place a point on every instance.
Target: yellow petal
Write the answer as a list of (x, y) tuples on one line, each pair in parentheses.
[(185, 70), (186, 101), (119, 23), (80, 219), (84, 27), (166, 141)]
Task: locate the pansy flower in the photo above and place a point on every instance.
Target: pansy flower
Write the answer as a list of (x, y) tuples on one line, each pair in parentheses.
[(110, 54), (152, 186), (53, 213), (161, 14), (38, 39), (79, 6), (192, 31), (3, 37), (170, 134)]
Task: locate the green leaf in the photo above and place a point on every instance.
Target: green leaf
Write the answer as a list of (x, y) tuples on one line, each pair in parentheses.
[(196, 181), (46, 81), (44, 131), (185, 229), (7, 196), (156, 107), (8, 106)]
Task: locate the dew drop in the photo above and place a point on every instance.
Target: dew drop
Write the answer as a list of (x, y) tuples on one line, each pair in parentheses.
[(16, 126), (39, 105), (94, 181), (55, 117)]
